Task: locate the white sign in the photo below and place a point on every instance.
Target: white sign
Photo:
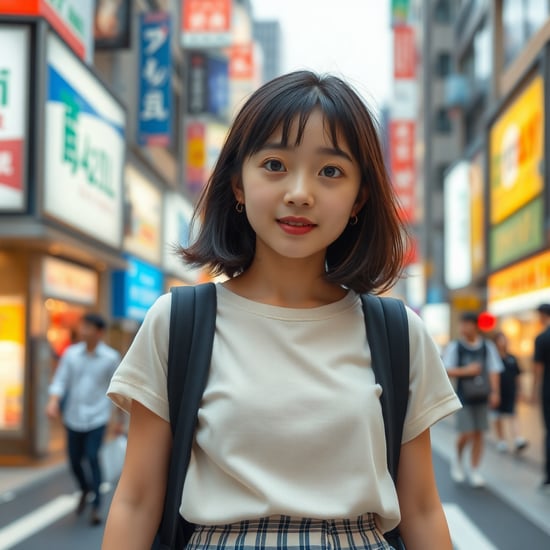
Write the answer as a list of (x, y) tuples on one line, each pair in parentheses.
[(458, 257), (84, 148), (68, 281), (78, 17), (142, 233), (177, 217), (14, 55)]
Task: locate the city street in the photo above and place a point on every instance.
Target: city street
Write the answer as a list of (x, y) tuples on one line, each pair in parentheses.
[(42, 516)]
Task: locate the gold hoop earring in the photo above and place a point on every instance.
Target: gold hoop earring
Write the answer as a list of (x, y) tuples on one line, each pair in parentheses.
[(239, 207), (353, 220)]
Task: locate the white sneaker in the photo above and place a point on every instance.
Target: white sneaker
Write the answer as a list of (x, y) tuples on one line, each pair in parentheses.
[(502, 446), (457, 472), (476, 479)]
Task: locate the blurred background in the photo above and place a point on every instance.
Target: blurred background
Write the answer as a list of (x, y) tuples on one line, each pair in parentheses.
[(112, 114)]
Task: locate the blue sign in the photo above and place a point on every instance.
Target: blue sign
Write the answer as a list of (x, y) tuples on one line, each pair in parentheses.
[(155, 76), (218, 86), (135, 289)]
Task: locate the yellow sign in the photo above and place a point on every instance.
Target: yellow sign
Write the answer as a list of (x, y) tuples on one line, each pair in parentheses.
[(516, 152), (527, 276), (477, 232)]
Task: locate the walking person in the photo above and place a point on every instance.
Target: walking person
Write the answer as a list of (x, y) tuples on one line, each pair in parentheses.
[(474, 363), (505, 418), (81, 381), (289, 448), (542, 382)]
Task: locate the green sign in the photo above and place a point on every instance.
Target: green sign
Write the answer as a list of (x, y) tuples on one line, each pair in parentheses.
[(4, 86), (517, 236), (399, 12)]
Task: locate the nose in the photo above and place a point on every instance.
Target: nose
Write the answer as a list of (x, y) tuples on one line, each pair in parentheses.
[(299, 191)]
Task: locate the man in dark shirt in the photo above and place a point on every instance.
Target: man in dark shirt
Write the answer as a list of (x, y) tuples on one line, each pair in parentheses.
[(542, 374)]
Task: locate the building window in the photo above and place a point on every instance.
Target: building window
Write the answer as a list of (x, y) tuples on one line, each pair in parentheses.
[(521, 19), (443, 124), (443, 11), (443, 65)]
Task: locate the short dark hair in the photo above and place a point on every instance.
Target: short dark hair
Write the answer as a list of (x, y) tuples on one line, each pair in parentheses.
[(544, 309), (95, 319), (469, 317), (368, 255)]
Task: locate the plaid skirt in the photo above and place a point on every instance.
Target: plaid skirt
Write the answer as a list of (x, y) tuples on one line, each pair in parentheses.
[(286, 533)]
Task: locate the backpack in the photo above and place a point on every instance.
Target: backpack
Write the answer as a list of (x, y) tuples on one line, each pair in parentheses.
[(192, 326)]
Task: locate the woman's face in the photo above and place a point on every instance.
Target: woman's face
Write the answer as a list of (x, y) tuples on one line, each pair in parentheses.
[(299, 198)]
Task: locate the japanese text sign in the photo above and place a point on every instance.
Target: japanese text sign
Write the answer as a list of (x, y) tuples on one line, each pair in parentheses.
[(206, 23), (84, 148), (155, 90)]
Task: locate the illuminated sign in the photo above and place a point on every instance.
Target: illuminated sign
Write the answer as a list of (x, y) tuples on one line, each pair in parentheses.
[(516, 152)]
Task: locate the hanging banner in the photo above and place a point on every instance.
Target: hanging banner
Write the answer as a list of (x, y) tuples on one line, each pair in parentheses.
[(13, 116), (402, 163), (206, 23), (155, 87)]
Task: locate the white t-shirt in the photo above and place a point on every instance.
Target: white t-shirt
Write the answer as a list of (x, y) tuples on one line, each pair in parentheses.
[(290, 422)]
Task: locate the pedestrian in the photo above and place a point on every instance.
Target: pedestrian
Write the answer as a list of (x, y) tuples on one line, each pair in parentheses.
[(81, 381), (474, 363), (542, 382), (505, 418), (299, 216)]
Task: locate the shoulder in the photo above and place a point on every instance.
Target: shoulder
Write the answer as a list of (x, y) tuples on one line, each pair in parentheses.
[(107, 351), (74, 350)]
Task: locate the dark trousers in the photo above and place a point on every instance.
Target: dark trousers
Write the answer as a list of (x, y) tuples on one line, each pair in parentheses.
[(83, 449)]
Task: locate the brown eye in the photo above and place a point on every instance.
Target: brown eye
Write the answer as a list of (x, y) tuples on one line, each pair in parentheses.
[(274, 165), (331, 172)]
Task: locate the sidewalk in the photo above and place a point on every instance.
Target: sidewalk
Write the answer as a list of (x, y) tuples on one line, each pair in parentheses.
[(514, 478)]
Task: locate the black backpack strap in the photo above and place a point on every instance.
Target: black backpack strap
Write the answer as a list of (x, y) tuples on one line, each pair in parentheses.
[(387, 329), (388, 336), (192, 326)]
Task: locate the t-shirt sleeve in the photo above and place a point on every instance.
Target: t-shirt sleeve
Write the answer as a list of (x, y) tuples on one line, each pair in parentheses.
[(141, 375), (431, 394), (450, 355)]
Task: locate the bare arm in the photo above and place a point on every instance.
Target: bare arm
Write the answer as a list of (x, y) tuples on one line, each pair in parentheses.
[(138, 501), (423, 523)]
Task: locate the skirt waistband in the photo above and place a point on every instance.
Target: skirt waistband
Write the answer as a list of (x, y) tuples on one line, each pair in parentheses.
[(287, 533)]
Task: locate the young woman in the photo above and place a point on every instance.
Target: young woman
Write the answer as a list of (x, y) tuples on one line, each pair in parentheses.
[(289, 449)]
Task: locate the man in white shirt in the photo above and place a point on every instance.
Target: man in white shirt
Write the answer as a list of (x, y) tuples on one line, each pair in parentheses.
[(81, 380)]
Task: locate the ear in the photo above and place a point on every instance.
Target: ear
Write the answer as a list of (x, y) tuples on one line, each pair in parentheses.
[(360, 201), (237, 190)]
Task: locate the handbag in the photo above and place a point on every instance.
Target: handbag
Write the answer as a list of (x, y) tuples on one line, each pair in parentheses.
[(473, 390), (192, 326)]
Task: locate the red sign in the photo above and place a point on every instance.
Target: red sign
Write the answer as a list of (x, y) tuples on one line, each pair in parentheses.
[(404, 53), (403, 171), (200, 16), (11, 158), (241, 61)]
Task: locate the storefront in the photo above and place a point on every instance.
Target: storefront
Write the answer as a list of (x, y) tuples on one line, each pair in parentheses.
[(61, 224), (518, 265)]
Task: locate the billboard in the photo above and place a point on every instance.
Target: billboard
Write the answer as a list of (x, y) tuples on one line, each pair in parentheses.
[(14, 80), (84, 148), (206, 23)]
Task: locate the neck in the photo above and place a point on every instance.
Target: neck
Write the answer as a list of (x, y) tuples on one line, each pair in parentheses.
[(299, 284)]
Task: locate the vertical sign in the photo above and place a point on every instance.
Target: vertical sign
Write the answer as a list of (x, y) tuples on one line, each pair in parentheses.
[(206, 23), (196, 156), (402, 138), (13, 114), (155, 88)]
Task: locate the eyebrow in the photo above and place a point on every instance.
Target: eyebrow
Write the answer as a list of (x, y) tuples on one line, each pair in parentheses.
[(321, 150)]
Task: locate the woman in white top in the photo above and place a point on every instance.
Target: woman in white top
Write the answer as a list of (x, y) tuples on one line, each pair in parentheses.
[(289, 448)]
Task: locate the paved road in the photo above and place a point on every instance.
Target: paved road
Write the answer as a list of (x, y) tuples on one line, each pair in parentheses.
[(42, 517)]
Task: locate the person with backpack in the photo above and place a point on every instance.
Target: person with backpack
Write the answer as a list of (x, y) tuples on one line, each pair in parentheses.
[(289, 448), (475, 364)]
